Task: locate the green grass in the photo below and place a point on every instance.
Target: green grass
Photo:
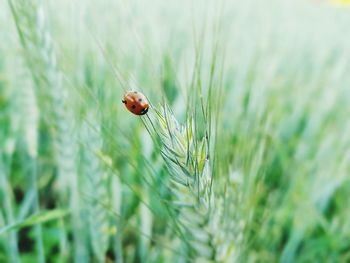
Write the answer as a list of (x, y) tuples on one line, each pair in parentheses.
[(243, 156)]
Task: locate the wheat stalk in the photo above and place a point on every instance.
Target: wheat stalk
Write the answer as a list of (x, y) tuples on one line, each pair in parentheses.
[(29, 126), (7, 212), (9, 121)]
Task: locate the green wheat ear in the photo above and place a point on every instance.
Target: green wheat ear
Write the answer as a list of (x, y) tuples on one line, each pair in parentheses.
[(95, 181), (40, 57), (187, 160)]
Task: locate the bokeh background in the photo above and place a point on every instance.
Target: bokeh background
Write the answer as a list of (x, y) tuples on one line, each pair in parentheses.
[(81, 179)]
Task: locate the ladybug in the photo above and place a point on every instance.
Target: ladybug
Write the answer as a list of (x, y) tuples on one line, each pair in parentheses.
[(136, 102)]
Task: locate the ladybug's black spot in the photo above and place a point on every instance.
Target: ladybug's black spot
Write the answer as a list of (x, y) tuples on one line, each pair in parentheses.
[(140, 100), (133, 106)]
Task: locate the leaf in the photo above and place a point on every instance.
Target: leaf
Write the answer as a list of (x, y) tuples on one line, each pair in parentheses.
[(34, 219)]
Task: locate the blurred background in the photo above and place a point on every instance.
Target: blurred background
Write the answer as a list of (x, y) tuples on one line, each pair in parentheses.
[(81, 178)]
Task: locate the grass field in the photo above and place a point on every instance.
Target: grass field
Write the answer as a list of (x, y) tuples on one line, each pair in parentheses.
[(243, 156)]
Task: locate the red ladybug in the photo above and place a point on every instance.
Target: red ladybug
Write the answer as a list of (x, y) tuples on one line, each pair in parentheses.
[(136, 102)]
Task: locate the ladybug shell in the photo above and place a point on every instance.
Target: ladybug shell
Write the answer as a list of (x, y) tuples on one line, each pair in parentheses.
[(136, 102)]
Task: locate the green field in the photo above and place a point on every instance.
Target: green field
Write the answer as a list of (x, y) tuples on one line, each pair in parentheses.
[(243, 156)]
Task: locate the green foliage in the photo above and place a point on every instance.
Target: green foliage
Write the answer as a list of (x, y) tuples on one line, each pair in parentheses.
[(42, 217), (169, 82)]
